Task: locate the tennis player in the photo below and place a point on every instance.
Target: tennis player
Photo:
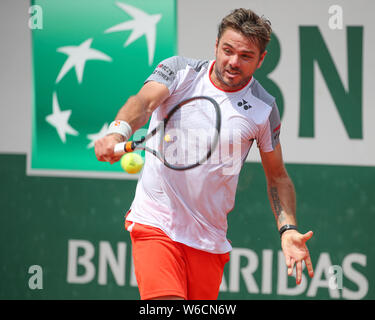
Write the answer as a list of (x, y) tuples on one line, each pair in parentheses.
[(178, 220)]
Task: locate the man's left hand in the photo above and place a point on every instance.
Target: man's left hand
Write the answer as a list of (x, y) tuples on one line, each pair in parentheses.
[(295, 251)]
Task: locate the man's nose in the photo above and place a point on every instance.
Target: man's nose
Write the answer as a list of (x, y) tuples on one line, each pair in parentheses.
[(234, 61)]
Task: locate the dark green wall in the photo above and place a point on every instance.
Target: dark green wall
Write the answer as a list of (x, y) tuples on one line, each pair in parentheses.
[(39, 215)]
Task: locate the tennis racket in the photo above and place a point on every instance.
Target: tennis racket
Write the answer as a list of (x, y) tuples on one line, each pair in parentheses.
[(185, 138)]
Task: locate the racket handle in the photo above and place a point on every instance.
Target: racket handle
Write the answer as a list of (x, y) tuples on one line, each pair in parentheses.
[(124, 147), (119, 148)]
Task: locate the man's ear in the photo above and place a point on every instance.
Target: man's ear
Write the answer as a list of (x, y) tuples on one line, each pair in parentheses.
[(261, 59)]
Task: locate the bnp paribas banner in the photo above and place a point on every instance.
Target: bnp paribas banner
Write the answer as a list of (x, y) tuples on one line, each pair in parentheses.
[(320, 70), (89, 56)]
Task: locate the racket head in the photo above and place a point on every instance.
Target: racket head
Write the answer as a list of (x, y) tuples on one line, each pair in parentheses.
[(190, 133)]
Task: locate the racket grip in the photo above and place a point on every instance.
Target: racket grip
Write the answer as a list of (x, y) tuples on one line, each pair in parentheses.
[(124, 147), (119, 148)]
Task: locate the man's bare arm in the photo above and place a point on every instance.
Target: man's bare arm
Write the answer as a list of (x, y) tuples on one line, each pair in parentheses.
[(136, 112), (282, 197), (280, 188), (138, 109)]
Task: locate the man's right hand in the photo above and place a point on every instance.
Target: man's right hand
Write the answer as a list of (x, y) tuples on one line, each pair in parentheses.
[(104, 148)]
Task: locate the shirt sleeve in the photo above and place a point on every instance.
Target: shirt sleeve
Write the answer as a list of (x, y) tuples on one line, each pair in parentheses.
[(269, 135), (171, 71), (166, 73)]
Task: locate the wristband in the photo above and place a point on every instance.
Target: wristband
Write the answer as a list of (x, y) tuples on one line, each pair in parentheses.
[(120, 127), (287, 227)]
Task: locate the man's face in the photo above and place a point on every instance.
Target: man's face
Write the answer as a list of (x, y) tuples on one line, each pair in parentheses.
[(237, 58)]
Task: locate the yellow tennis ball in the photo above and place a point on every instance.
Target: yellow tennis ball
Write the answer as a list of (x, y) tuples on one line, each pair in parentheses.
[(131, 162), (167, 138)]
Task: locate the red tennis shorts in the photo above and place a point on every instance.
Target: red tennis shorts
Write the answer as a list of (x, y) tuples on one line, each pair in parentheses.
[(167, 268)]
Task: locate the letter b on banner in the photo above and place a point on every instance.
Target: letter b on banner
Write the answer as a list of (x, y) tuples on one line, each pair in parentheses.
[(84, 260)]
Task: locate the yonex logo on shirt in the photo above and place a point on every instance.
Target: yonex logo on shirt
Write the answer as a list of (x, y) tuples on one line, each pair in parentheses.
[(244, 104)]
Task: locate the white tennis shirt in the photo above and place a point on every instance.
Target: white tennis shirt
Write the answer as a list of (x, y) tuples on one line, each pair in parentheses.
[(191, 206)]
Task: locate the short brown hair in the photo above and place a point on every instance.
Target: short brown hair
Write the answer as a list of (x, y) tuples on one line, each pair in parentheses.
[(252, 26)]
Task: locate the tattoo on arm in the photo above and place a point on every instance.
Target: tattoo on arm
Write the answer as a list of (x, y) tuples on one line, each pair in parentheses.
[(277, 204)]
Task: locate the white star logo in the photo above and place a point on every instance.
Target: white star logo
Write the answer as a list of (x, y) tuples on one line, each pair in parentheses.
[(77, 57), (59, 119), (96, 136), (143, 24)]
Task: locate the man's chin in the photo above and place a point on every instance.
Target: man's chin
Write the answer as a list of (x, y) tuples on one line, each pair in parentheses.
[(232, 84)]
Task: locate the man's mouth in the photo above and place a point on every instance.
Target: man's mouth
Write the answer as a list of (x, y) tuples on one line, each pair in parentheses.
[(232, 73)]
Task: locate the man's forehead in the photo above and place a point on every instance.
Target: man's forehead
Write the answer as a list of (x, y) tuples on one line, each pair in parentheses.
[(244, 49), (237, 40)]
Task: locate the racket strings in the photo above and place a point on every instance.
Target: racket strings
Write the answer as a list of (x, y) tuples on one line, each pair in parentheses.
[(190, 133)]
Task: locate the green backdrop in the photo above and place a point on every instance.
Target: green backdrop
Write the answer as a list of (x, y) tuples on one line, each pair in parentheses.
[(40, 215)]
